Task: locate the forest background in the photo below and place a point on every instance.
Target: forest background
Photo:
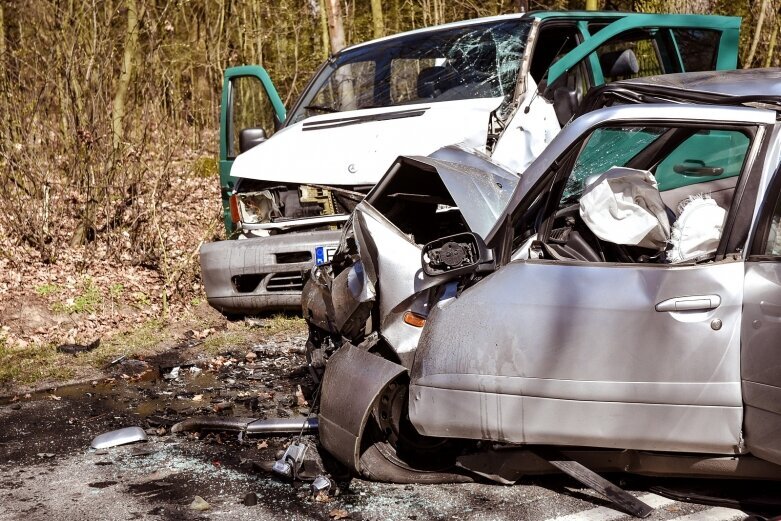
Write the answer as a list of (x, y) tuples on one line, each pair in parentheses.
[(108, 138)]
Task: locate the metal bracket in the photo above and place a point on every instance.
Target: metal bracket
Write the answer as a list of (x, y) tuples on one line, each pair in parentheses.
[(625, 501)]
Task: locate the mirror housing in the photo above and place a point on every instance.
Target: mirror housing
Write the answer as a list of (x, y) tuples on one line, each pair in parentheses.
[(456, 255), (250, 137)]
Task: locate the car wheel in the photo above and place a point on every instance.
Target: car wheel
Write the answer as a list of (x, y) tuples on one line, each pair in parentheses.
[(393, 451)]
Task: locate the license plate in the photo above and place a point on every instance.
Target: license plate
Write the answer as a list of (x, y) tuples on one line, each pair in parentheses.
[(324, 254)]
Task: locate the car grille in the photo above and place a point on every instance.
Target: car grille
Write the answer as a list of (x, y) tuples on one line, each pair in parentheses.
[(287, 281)]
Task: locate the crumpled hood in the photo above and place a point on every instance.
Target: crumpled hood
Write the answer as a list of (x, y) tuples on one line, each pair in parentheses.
[(357, 147)]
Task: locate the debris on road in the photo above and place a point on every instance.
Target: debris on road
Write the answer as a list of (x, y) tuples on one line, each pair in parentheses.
[(119, 437), (173, 375), (321, 485), (199, 504), (250, 499), (291, 461), (338, 513)]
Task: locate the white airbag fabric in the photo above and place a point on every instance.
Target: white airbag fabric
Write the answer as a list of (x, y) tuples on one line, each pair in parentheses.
[(697, 231), (623, 206)]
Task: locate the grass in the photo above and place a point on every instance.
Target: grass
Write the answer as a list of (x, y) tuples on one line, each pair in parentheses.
[(31, 364), (35, 363), (142, 341), (38, 363)]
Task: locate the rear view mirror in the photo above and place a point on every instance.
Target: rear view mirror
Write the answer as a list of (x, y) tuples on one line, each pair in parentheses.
[(456, 254), (250, 137), (619, 63)]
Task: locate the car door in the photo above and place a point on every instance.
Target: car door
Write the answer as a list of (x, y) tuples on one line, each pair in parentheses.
[(680, 42), (640, 45), (597, 346), (761, 330), (249, 113)]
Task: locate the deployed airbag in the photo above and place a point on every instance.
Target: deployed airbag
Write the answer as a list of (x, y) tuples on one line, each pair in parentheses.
[(623, 206), (697, 231)]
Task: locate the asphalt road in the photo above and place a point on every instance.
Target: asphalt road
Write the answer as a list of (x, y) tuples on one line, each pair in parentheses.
[(47, 470)]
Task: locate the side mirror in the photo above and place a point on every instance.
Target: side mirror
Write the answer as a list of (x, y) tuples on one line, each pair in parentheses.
[(619, 63), (250, 137), (457, 254)]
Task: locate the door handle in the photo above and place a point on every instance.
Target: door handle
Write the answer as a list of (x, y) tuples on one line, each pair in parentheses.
[(691, 303)]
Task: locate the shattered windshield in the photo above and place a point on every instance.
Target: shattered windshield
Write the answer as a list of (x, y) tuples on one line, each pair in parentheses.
[(467, 62)]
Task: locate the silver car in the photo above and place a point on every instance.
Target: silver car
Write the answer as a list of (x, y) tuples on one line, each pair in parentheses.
[(621, 300)]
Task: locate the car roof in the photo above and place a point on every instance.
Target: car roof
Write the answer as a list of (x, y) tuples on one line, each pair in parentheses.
[(738, 83), (607, 16), (423, 30)]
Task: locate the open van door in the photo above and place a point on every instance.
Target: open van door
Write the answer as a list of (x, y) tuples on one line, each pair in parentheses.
[(250, 112), (640, 45)]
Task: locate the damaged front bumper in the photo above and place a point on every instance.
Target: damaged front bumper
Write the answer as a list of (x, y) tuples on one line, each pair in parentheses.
[(265, 273)]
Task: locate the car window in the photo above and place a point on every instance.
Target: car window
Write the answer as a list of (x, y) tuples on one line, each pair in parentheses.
[(605, 148), (451, 63), (698, 48), (647, 194), (706, 156), (651, 53), (350, 87), (248, 109)]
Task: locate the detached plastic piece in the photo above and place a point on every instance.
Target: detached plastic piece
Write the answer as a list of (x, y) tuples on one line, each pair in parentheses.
[(290, 463), (320, 484), (118, 437)]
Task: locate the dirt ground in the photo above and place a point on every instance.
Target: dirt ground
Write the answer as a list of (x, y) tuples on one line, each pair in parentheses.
[(48, 471)]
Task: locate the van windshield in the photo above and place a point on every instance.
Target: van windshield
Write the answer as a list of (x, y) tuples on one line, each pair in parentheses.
[(454, 63)]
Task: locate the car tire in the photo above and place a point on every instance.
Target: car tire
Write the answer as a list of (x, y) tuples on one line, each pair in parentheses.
[(393, 451)]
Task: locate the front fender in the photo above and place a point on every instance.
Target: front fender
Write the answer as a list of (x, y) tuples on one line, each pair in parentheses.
[(353, 380)]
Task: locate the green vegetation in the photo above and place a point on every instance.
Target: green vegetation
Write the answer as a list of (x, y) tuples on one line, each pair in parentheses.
[(45, 290)]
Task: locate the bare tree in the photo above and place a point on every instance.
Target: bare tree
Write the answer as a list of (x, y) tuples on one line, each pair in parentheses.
[(128, 63), (378, 23)]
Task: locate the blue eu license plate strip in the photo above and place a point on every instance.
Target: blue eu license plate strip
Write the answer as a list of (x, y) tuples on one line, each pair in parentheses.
[(323, 254)]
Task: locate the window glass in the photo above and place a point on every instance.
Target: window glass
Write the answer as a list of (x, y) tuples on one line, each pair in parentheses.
[(605, 148), (350, 87), (251, 108), (698, 48), (452, 63), (644, 47), (705, 156), (404, 79)]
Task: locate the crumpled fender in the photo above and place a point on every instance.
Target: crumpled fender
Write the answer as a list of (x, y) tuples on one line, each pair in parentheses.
[(353, 380)]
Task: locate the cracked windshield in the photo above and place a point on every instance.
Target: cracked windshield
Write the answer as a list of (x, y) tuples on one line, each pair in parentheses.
[(477, 61)]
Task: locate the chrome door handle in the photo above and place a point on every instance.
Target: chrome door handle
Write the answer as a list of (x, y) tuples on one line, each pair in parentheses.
[(691, 303)]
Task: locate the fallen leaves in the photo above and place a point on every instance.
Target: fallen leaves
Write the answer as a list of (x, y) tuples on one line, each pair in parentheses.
[(338, 513)]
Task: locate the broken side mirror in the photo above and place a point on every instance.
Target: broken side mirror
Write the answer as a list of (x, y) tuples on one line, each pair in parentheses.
[(250, 137), (457, 254)]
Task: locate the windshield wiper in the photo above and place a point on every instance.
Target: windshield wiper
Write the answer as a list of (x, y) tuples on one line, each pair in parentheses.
[(322, 108)]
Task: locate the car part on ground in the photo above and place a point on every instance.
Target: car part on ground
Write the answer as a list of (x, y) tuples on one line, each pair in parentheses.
[(271, 426), (118, 437)]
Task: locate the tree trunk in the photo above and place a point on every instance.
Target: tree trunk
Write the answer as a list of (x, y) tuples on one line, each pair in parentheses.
[(333, 9), (2, 39), (126, 73), (324, 30), (771, 48), (757, 35), (377, 20)]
